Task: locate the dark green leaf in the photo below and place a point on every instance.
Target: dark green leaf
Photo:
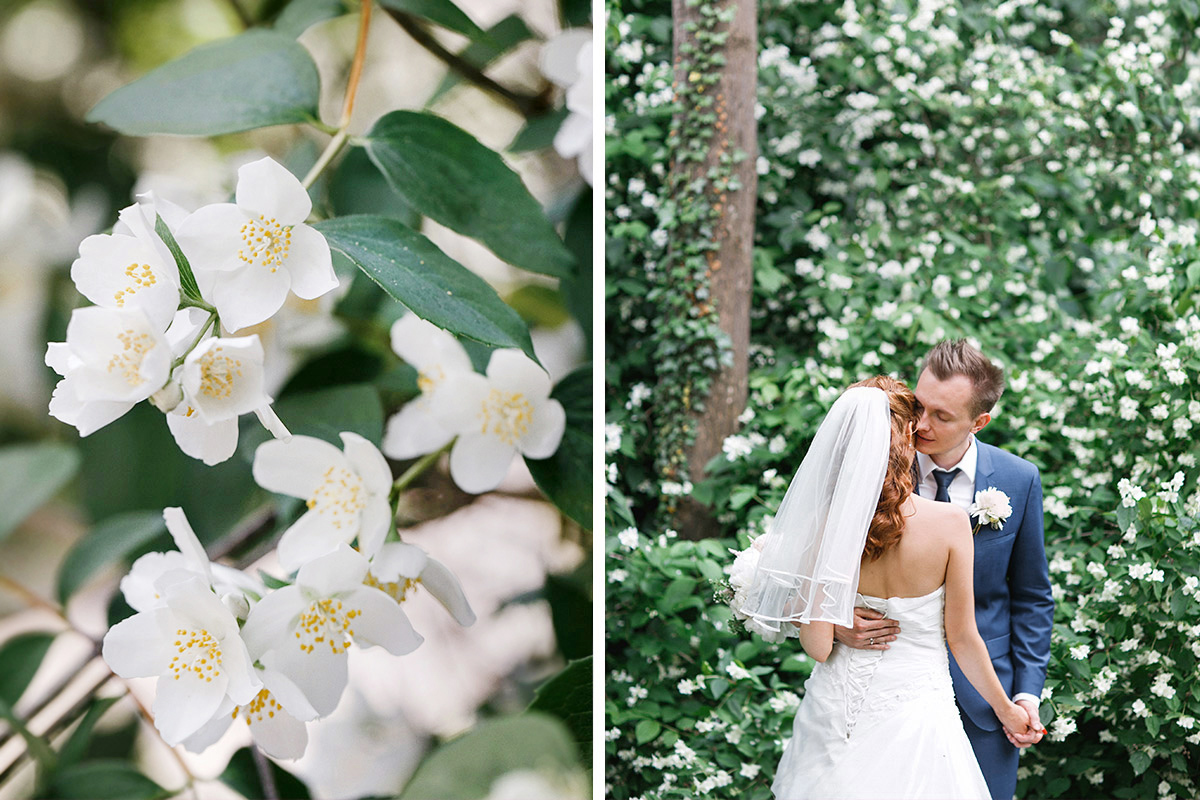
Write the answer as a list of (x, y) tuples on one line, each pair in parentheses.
[(241, 775), (1140, 761), (447, 175), (539, 132), (414, 271), (575, 12), (571, 614), (442, 12), (566, 476), (300, 15), (187, 280), (465, 768), (568, 696), (77, 745), (326, 413), (29, 476), (1057, 786), (20, 658), (105, 780), (358, 187), (647, 731), (111, 541), (498, 39), (252, 80), (577, 288)]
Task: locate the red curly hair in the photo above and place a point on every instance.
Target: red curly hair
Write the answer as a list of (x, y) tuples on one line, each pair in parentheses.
[(888, 522)]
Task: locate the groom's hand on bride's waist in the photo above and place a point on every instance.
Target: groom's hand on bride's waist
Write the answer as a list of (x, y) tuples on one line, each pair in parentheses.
[(871, 631)]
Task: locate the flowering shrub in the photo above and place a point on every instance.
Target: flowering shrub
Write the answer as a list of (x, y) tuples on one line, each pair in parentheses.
[(1018, 174), (282, 302)]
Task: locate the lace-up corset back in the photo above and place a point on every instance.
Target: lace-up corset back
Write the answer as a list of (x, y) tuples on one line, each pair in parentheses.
[(873, 682)]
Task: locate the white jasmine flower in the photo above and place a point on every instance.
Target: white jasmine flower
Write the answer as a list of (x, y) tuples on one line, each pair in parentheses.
[(220, 380), (128, 271), (437, 356), (275, 717), (628, 538), (509, 411), (346, 492), (737, 672), (247, 256), (566, 59), (749, 771), (400, 568), (112, 359), (1080, 652), (304, 630), (191, 644)]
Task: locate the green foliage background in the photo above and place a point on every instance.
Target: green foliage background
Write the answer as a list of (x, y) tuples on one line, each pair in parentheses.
[(1023, 174)]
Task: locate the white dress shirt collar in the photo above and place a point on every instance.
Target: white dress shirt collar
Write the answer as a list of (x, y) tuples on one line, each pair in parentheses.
[(968, 463)]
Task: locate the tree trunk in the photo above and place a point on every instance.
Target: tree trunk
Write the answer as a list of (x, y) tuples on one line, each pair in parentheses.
[(731, 265)]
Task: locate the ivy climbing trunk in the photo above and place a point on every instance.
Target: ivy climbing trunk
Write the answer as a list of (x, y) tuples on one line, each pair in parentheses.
[(724, 100)]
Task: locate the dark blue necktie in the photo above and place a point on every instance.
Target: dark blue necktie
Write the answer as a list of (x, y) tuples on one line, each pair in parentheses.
[(943, 479)]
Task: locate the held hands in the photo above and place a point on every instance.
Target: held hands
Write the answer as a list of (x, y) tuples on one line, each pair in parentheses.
[(1026, 728), (871, 631)]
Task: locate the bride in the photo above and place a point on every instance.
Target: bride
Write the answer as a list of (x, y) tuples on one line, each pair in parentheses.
[(850, 531)]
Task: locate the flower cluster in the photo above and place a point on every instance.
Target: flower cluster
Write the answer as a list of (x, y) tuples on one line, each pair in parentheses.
[(227, 646), (167, 287)]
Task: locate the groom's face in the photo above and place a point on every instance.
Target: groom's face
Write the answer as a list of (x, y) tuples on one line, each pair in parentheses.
[(945, 419)]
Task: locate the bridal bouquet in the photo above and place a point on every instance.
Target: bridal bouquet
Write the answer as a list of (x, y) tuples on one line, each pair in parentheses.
[(733, 591)]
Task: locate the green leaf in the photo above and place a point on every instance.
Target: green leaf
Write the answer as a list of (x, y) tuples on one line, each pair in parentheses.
[(1057, 786), (270, 581), (109, 542), (647, 731), (1140, 761), (442, 12), (29, 476), (20, 658), (447, 175), (568, 696), (325, 414), (252, 80), (358, 187), (105, 780), (241, 775), (466, 767), (539, 132), (76, 746), (575, 12), (187, 280), (437, 288), (566, 476), (578, 288), (571, 614), (498, 39), (300, 15)]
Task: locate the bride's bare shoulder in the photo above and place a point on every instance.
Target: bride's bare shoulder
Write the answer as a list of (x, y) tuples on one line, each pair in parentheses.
[(940, 519)]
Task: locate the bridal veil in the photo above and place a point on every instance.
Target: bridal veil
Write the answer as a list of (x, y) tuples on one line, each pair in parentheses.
[(809, 565)]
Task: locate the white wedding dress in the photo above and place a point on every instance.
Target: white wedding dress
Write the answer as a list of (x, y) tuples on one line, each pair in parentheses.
[(883, 723)]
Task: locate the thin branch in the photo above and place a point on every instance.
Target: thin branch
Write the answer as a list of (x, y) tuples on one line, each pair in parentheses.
[(265, 776), (415, 471), (527, 104), (356, 66)]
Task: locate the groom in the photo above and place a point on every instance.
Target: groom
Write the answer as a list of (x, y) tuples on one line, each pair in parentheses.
[(1014, 610)]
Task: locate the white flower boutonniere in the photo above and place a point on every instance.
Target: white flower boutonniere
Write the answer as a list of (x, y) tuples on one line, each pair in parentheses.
[(991, 507)]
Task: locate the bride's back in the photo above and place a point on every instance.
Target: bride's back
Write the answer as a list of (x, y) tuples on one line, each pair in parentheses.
[(917, 564)]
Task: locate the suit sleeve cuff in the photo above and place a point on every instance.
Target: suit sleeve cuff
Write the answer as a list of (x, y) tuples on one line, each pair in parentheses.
[(1037, 701)]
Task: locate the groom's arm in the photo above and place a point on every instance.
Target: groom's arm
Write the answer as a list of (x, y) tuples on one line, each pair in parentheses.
[(1032, 604)]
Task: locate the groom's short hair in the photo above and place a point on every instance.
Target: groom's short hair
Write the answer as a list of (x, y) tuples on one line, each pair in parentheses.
[(957, 357)]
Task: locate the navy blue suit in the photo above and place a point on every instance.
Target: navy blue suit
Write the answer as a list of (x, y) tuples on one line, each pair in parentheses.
[(1014, 610)]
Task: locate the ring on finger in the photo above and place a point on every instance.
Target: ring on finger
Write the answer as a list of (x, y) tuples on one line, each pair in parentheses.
[(872, 640)]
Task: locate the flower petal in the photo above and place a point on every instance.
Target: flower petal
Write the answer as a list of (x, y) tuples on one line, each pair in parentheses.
[(279, 734), (382, 622), (210, 238), (545, 430), (295, 467), (88, 417), (269, 624), (286, 692), (186, 540), (136, 647), (478, 463), (266, 187), (398, 560), (223, 377), (311, 536), (319, 675), (212, 444), (414, 431), (310, 264), (186, 703), (423, 344), (248, 296), (444, 585), (513, 371), (368, 462), (117, 271), (458, 402), (333, 573), (211, 733), (138, 586)]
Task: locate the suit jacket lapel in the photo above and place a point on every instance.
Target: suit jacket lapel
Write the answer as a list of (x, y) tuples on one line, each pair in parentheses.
[(983, 470)]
